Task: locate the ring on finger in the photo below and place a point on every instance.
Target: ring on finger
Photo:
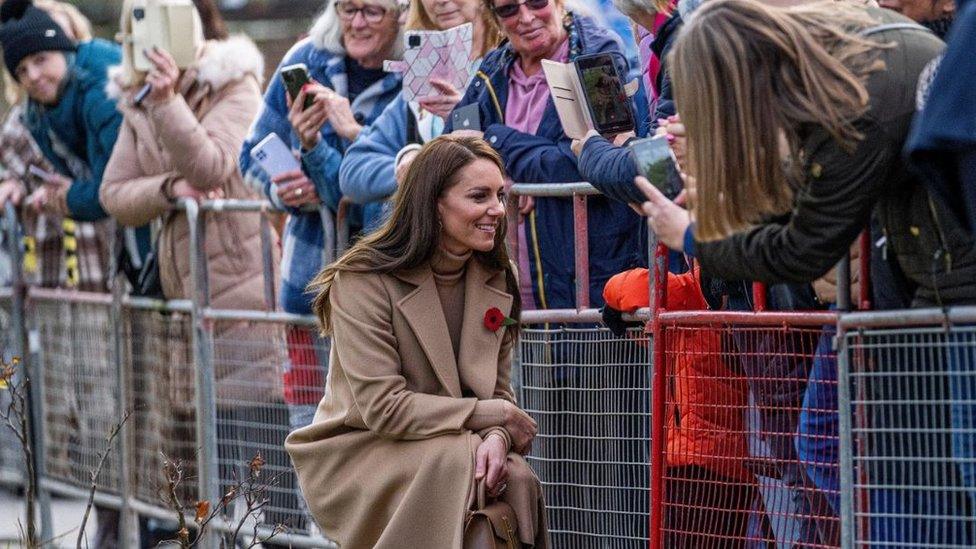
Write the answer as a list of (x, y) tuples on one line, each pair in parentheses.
[(298, 191), (501, 489)]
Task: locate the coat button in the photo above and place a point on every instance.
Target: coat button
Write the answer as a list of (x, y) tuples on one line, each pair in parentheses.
[(816, 170), (493, 139)]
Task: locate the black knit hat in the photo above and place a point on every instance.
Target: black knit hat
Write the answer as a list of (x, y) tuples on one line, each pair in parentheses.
[(26, 30)]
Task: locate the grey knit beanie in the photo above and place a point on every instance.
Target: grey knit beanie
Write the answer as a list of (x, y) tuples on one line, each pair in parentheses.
[(25, 30)]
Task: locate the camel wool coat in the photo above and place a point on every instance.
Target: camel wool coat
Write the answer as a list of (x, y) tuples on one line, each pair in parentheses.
[(387, 462)]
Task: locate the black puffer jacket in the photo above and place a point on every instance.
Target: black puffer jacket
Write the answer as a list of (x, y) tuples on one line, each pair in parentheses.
[(843, 187)]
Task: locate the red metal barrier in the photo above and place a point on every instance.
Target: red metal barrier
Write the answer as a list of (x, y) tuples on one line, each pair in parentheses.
[(729, 467)]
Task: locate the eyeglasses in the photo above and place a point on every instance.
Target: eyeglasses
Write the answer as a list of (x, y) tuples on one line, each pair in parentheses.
[(511, 10), (371, 13)]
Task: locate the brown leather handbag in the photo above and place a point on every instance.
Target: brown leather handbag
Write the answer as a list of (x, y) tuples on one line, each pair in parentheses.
[(491, 526)]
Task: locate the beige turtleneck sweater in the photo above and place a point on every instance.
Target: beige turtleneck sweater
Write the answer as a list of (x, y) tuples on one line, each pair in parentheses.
[(448, 272)]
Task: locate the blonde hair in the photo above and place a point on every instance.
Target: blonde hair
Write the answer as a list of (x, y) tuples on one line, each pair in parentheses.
[(632, 8), (746, 77), (419, 19), (78, 28)]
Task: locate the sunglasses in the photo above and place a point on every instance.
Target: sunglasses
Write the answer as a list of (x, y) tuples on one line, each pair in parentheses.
[(372, 14), (511, 10)]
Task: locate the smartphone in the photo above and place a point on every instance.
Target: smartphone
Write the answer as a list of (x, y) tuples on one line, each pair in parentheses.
[(173, 25), (40, 173), (609, 106), (274, 157), (467, 117), (294, 77), (655, 162)]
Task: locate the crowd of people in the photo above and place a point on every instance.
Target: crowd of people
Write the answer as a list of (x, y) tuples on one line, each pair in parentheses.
[(794, 126)]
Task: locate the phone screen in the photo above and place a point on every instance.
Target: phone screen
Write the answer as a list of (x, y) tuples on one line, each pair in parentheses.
[(608, 102), (294, 77), (656, 163)]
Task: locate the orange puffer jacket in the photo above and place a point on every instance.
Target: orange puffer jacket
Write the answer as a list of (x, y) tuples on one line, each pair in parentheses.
[(707, 401)]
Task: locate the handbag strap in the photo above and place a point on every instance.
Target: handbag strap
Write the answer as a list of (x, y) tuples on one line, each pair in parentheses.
[(482, 499), (878, 29)]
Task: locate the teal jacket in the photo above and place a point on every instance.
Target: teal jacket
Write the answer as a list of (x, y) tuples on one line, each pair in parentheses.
[(85, 122)]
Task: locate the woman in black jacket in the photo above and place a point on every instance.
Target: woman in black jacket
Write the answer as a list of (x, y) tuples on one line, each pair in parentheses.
[(800, 115)]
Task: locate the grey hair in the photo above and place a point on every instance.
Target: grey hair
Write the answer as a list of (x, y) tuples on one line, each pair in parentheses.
[(326, 32)]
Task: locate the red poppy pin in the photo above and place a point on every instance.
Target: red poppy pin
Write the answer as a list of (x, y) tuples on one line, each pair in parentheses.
[(495, 319)]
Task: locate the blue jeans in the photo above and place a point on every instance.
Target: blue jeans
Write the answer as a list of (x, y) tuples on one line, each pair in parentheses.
[(961, 363)]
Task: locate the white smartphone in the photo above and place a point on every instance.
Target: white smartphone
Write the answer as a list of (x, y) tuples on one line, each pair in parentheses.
[(274, 157)]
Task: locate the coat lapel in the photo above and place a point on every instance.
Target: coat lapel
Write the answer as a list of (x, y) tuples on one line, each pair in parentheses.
[(478, 354), (422, 309)]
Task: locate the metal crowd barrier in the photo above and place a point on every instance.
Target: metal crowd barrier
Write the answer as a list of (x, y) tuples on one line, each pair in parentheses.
[(171, 364), (683, 433), (589, 392)]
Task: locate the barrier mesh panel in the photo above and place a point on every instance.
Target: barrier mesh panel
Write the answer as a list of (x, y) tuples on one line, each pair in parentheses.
[(914, 436), (256, 410), (157, 348), (11, 458), (589, 392), (751, 437), (80, 388)]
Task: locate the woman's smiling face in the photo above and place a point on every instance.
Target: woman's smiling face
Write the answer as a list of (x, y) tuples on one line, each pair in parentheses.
[(472, 209)]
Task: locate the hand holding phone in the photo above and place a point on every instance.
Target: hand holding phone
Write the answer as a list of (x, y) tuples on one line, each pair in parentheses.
[(274, 157), (41, 174), (655, 162), (294, 77)]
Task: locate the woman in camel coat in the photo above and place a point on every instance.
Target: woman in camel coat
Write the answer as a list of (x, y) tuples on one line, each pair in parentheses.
[(418, 406)]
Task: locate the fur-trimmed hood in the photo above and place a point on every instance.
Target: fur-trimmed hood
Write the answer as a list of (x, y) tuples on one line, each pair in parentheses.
[(220, 63)]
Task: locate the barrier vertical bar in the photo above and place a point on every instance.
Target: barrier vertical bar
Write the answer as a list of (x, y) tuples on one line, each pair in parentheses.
[(267, 260), (847, 524), (328, 235), (129, 519), (581, 230), (206, 412), (30, 369), (864, 271), (758, 297), (658, 384), (343, 231)]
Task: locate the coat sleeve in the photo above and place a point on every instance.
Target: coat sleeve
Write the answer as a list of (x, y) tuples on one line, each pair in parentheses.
[(829, 212), (367, 349), (321, 165), (102, 122), (207, 148), (129, 195), (610, 169), (368, 173)]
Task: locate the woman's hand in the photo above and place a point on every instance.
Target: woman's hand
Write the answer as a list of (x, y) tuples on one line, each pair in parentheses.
[(668, 220), (521, 427), (11, 190), (163, 76), (307, 123), (677, 139), (295, 189), (339, 113), (578, 144), (490, 464), (443, 103), (183, 189)]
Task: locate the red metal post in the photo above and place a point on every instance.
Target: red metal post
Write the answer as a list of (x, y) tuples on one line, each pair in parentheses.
[(581, 229), (864, 266), (758, 297), (658, 387)]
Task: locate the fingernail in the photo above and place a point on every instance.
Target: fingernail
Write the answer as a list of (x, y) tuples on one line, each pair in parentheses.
[(670, 138)]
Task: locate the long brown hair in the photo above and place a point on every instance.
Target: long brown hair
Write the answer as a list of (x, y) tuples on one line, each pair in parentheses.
[(410, 236), (746, 78), (419, 19)]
